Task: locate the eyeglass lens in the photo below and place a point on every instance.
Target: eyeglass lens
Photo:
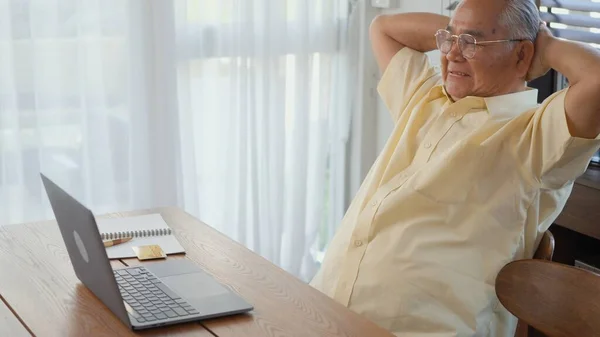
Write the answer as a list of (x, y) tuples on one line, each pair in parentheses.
[(466, 43)]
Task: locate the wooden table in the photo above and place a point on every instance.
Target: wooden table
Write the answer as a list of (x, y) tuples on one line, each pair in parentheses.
[(9, 323), (39, 286)]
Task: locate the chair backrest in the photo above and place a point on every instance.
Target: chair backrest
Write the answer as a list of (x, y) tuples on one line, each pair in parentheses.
[(554, 299), (544, 251)]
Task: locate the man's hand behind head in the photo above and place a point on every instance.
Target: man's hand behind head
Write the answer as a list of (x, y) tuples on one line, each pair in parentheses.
[(539, 66)]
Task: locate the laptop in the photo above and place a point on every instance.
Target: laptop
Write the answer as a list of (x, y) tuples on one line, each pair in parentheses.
[(162, 293)]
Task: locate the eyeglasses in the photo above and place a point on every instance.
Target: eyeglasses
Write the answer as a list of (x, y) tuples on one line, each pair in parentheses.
[(467, 44)]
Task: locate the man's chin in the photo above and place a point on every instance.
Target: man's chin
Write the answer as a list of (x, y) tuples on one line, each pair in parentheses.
[(455, 94)]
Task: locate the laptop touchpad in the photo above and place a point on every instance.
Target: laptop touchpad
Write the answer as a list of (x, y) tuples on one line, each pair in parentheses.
[(194, 286)]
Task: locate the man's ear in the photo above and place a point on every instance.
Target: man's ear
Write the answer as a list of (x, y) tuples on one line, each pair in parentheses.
[(525, 51)]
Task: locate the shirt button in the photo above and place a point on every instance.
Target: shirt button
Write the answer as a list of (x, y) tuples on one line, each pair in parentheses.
[(374, 203), (358, 243), (427, 145)]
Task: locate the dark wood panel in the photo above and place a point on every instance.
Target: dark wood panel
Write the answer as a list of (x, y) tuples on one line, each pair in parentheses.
[(582, 211), (284, 305), (9, 324), (577, 230), (42, 289), (567, 244), (591, 178)]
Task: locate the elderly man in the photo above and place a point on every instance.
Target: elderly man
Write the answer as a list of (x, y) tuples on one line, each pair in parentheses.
[(474, 172)]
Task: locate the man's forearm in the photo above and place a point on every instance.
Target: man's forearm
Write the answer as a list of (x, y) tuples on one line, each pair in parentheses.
[(413, 30), (581, 65), (577, 61)]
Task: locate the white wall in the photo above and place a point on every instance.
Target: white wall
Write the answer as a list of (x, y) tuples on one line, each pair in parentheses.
[(384, 122)]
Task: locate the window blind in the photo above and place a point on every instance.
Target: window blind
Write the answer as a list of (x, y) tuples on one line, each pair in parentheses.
[(577, 20)]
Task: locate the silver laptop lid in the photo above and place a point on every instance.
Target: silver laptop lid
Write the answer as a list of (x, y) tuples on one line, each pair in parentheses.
[(86, 250)]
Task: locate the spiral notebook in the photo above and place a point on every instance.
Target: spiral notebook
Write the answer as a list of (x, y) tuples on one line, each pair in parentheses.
[(150, 229)]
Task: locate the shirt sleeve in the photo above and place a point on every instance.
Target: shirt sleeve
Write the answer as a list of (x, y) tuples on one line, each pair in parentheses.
[(555, 156), (408, 72)]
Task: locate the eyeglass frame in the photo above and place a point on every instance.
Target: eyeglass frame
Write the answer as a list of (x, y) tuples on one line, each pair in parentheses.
[(475, 43)]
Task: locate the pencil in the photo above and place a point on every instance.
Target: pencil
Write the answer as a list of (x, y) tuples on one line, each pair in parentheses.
[(109, 243)]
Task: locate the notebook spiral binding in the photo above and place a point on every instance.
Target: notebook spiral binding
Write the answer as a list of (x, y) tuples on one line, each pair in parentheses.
[(136, 234)]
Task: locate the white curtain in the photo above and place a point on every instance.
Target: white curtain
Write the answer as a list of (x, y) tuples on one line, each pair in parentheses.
[(235, 110), (70, 107)]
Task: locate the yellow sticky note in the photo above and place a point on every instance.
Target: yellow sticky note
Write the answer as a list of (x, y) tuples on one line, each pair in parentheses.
[(149, 252)]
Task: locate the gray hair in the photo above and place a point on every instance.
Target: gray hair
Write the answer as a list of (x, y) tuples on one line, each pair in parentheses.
[(521, 18)]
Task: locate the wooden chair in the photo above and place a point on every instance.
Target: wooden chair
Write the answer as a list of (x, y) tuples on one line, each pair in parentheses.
[(544, 251), (553, 299)]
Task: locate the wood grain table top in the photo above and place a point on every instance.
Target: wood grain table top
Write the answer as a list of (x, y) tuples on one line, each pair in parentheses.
[(9, 323), (42, 289)]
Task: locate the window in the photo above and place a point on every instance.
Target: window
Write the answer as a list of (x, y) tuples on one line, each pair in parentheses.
[(267, 81), (54, 99), (577, 20)]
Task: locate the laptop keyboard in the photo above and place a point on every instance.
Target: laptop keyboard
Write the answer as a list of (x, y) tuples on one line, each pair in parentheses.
[(148, 298)]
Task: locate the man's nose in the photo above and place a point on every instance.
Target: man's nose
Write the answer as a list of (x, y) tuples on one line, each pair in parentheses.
[(455, 55)]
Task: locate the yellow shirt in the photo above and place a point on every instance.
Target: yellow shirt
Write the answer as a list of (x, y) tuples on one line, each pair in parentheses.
[(459, 190)]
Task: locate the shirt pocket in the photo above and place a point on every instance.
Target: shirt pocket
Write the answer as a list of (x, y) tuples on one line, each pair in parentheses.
[(451, 177)]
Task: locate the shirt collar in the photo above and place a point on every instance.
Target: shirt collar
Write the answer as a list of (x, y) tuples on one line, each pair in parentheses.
[(436, 92), (512, 105), (503, 106), (445, 93)]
